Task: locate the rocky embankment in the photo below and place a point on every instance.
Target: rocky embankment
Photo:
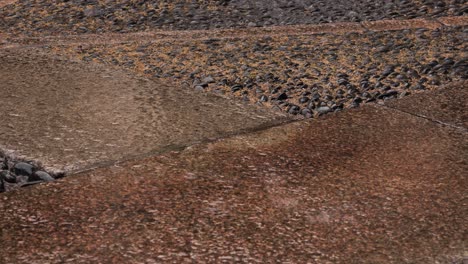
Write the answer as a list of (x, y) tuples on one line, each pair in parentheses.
[(16, 174), (303, 75), (37, 17)]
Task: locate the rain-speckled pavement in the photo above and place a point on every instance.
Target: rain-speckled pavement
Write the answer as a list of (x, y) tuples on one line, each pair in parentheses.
[(376, 184), (71, 116), (236, 131)]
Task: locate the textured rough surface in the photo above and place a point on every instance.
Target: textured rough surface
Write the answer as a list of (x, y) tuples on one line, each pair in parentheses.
[(383, 183), (447, 105), (297, 73), (6, 2), (36, 17), (70, 115), (371, 185)]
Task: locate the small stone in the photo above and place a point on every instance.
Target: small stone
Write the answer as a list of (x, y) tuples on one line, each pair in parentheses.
[(388, 94), (352, 14), (283, 96), (419, 86), (199, 88), (342, 81), (323, 110), (294, 109), (307, 113), (22, 168), (208, 79), (252, 24), (40, 176), (236, 88), (303, 100), (357, 101), (263, 98)]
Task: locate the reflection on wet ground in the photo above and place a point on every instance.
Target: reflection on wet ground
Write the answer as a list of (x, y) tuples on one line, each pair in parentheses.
[(69, 115)]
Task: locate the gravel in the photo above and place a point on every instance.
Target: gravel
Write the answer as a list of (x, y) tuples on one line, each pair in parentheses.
[(36, 17), (16, 174), (322, 72)]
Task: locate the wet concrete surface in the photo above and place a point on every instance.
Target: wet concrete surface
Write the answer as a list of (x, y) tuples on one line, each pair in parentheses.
[(447, 105), (369, 185), (69, 115)]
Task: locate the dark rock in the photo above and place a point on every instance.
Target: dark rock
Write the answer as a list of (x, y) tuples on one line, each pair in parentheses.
[(263, 98), (357, 101), (236, 88), (22, 168), (307, 113), (311, 105), (342, 81), (4, 164), (7, 176), (283, 96), (419, 86), (388, 94), (294, 109), (40, 176), (303, 100)]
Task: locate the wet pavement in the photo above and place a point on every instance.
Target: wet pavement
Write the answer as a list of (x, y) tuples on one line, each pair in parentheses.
[(184, 145), (447, 106), (68, 115), (369, 185)]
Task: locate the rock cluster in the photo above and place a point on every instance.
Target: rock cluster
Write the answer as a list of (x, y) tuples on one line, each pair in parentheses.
[(19, 174), (302, 75), (96, 16)]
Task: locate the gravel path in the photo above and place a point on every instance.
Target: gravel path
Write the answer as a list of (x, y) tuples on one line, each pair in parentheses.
[(36, 17), (15, 174), (305, 74)]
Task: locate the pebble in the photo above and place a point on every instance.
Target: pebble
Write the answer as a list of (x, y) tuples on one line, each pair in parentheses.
[(122, 16), (199, 88), (40, 176), (236, 88), (208, 79), (294, 109), (307, 113), (282, 96), (323, 110), (22, 168), (20, 174)]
